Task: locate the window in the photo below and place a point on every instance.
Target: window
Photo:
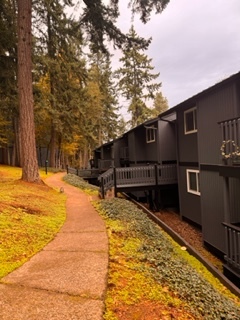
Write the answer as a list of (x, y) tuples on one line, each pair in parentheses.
[(150, 134), (193, 185), (190, 121)]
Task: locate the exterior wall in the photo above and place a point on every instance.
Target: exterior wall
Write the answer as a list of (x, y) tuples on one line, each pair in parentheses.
[(122, 152), (167, 142), (162, 149), (212, 205), (203, 149), (190, 204), (107, 152), (131, 147), (140, 145), (217, 106), (145, 152), (234, 187), (141, 152), (187, 143), (116, 153)]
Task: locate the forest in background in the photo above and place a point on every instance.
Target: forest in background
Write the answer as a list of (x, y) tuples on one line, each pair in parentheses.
[(76, 93)]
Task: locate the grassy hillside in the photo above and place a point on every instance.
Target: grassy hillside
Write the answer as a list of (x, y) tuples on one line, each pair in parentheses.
[(30, 216)]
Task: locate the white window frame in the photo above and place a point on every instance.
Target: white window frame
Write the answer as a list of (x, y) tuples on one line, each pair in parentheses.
[(150, 134), (194, 111), (197, 172)]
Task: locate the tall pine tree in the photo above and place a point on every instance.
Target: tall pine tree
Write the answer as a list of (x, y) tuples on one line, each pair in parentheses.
[(102, 75), (99, 22), (160, 104), (8, 80), (135, 78), (28, 153), (59, 61)]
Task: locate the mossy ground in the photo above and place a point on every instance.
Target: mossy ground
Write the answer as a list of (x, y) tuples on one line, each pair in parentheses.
[(151, 277), (30, 217)]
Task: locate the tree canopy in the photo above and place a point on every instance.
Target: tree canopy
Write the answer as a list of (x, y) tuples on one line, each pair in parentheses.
[(136, 79), (63, 86)]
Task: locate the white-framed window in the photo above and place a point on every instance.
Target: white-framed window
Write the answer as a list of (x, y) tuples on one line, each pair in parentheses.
[(190, 121), (193, 183), (150, 134)]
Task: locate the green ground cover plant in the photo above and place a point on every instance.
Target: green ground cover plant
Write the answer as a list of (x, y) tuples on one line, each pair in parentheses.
[(30, 217), (164, 272), (81, 184), (150, 276)]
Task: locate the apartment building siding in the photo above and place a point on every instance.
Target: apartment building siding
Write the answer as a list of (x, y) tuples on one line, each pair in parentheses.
[(190, 204), (167, 150), (215, 106)]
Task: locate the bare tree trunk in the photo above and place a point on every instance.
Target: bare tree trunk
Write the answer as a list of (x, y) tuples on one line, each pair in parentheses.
[(28, 152), (85, 156), (53, 148), (16, 148)]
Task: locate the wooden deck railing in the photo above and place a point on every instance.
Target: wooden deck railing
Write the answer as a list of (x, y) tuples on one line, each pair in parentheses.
[(83, 173), (105, 164), (141, 176), (106, 181), (232, 257), (230, 132)]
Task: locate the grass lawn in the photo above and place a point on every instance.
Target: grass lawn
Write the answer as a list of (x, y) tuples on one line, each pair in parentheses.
[(30, 217)]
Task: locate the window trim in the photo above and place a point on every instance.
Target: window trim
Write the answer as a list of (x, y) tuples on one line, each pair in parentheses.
[(150, 134), (194, 111), (197, 172)]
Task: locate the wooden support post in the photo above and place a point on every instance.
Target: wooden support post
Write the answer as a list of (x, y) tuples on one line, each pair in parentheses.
[(115, 182), (102, 188), (156, 187), (156, 174), (226, 197)]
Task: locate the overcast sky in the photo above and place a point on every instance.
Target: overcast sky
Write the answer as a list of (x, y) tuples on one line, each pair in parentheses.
[(196, 43)]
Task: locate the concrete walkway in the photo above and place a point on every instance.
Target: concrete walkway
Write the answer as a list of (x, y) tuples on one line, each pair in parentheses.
[(67, 279)]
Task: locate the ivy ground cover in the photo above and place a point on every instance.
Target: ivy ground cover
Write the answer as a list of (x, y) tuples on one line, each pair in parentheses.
[(150, 276)]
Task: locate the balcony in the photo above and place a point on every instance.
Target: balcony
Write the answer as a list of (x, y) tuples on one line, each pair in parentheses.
[(134, 178), (230, 148)]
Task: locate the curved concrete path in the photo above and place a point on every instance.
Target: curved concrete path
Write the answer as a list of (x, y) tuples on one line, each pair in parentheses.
[(67, 279)]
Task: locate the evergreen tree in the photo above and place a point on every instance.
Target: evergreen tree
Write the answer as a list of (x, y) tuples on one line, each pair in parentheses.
[(102, 75), (99, 22), (8, 77), (28, 153), (135, 79), (122, 127), (59, 61), (160, 104)]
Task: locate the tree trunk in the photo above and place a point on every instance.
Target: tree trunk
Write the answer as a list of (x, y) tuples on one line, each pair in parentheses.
[(85, 156), (16, 145), (53, 148), (28, 152)]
